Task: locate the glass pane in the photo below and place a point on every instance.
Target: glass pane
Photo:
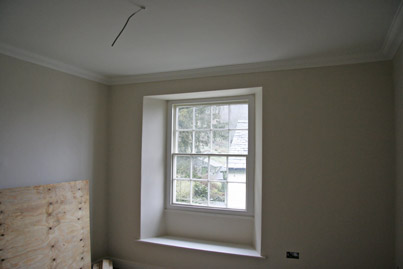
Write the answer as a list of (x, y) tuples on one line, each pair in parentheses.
[(182, 191), (182, 169), (219, 116), (202, 141), (185, 117), (185, 142), (237, 169), (200, 167), (220, 141), (202, 117), (199, 192), (237, 195), (238, 116), (238, 142), (218, 168), (217, 194)]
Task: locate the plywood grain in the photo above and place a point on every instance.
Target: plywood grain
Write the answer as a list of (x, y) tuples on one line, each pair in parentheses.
[(45, 226)]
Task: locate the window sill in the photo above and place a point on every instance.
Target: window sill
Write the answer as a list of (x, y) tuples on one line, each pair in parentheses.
[(210, 246)]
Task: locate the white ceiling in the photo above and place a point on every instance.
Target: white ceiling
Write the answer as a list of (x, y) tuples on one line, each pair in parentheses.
[(191, 34)]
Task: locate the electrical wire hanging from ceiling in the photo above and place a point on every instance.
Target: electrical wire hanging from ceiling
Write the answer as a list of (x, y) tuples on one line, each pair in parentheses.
[(127, 21)]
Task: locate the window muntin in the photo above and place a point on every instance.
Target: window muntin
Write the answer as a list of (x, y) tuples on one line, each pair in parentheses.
[(209, 155)]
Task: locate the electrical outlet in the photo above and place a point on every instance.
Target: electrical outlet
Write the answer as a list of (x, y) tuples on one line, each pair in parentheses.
[(292, 255)]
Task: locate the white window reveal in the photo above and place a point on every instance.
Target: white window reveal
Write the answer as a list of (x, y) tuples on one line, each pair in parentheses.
[(201, 171), (211, 154)]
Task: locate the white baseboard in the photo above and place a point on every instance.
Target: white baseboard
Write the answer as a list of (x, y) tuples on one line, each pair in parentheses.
[(125, 264)]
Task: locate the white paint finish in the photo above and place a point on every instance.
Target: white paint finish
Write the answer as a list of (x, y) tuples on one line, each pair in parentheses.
[(221, 96), (207, 94), (249, 68), (53, 129), (194, 73), (183, 34), (153, 168), (398, 79), (209, 226), (257, 242), (50, 63), (210, 246), (328, 169)]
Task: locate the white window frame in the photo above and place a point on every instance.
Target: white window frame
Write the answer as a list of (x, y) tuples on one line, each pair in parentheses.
[(250, 159)]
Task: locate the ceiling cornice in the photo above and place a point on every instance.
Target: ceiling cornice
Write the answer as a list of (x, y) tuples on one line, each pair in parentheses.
[(248, 68), (50, 63), (209, 71), (192, 73), (394, 37)]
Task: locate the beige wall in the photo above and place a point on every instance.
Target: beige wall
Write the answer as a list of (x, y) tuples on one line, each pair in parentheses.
[(398, 79), (328, 169), (328, 153), (53, 129)]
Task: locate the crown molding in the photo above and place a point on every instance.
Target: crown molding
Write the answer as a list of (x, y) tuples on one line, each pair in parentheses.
[(393, 40), (394, 37), (248, 68), (192, 73), (50, 63)]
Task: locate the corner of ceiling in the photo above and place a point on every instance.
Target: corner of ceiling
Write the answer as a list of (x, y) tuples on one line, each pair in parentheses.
[(50, 63), (266, 66), (394, 37)]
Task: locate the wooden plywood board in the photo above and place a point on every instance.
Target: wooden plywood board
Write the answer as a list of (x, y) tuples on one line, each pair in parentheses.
[(45, 226)]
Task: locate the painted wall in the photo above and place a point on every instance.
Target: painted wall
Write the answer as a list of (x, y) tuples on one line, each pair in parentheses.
[(328, 169), (398, 79), (53, 129)]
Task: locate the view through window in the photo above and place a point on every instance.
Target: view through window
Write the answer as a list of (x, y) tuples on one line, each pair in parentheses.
[(209, 154)]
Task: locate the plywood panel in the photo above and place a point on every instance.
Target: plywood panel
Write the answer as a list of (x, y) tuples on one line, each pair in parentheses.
[(45, 226)]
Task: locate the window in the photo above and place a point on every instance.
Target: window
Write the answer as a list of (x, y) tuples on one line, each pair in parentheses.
[(210, 154), (163, 221)]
